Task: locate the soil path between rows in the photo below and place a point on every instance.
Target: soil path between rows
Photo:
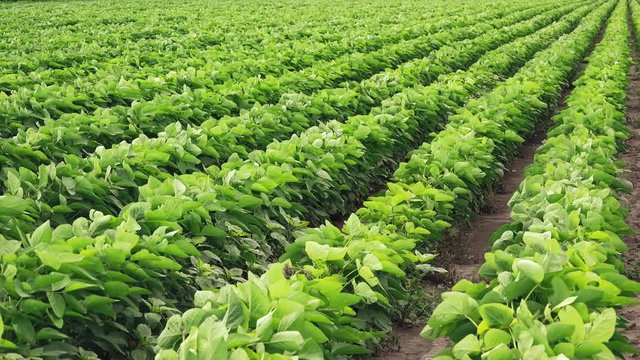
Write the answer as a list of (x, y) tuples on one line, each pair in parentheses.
[(631, 159), (473, 242)]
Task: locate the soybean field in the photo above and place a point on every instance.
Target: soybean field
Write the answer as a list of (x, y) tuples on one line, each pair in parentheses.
[(271, 180)]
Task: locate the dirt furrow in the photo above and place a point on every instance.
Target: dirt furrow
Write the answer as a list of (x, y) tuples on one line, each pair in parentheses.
[(630, 158)]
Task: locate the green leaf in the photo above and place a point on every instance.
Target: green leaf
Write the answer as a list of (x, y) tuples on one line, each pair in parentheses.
[(589, 349), (12, 206), (167, 354), (559, 331), (265, 327), (116, 289), (50, 334), (57, 303), (78, 285), (372, 262), (530, 269), (236, 313), (368, 275), (259, 188), (312, 331), (42, 282), (536, 352), (24, 329), (468, 346), (496, 315), (240, 339), (10, 271), (211, 340), (56, 259), (139, 354), (495, 337), (364, 290), (321, 253), (287, 340), (565, 348), (500, 352), (602, 327), (172, 332), (569, 315), (33, 306), (42, 234), (6, 344), (568, 301), (239, 354), (100, 304), (349, 349), (281, 202), (455, 306)]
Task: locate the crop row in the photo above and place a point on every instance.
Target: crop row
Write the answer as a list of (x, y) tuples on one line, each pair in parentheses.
[(119, 38), (262, 124), (254, 204), (191, 96), (147, 61), (352, 277), (186, 37), (89, 283), (555, 275)]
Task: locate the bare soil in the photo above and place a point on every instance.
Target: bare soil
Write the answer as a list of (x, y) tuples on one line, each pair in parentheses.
[(632, 200)]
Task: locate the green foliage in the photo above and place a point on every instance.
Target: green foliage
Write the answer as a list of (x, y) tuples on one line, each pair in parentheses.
[(254, 204), (321, 254), (100, 251), (554, 275)]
